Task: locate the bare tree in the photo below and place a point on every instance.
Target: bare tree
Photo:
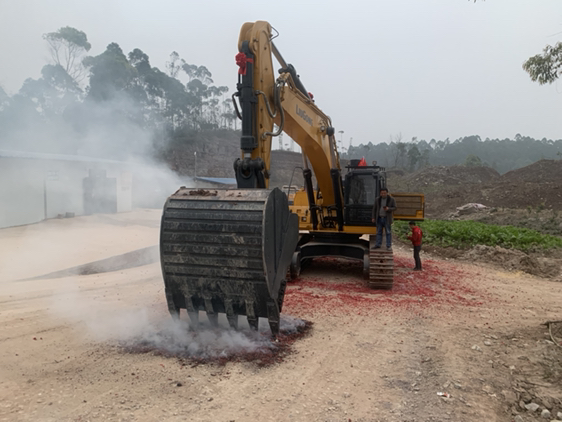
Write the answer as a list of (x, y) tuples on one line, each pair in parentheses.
[(398, 149), (68, 47)]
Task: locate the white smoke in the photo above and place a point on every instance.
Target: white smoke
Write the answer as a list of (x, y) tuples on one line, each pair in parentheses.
[(145, 330)]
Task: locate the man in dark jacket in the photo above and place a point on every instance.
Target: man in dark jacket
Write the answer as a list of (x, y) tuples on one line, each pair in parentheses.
[(384, 206), (416, 238)]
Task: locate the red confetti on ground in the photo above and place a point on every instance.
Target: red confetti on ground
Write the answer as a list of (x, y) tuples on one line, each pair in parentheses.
[(438, 284), (343, 291)]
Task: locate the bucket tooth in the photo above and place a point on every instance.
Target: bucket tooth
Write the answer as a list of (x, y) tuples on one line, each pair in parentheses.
[(194, 320), (213, 319), (281, 297), (230, 315), (212, 316), (273, 317), (233, 321), (172, 308), (253, 320), (192, 312), (253, 323), (250, 310)]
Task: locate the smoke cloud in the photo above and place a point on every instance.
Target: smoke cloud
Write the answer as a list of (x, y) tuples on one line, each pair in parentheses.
[(144, 330)]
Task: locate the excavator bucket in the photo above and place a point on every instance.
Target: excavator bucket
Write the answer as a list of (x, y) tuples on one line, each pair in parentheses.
[(227, 251)]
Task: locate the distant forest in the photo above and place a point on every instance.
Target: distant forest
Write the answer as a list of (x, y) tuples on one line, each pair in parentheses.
[(118, 105), (85, 104), (501, 154)]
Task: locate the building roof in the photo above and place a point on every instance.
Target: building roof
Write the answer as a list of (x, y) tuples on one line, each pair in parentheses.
[(218, 180), (59, 157)]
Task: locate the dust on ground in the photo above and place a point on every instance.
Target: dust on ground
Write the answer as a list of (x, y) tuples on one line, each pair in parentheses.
[(471, 331)]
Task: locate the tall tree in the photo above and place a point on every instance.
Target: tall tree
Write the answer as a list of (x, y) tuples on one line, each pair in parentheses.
[(174, 65), (53, 92), (68, 47), (110, 73), (413, 157), (425, 157), (473, 161)]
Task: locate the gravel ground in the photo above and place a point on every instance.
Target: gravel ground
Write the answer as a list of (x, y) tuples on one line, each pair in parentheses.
[(100, 347)]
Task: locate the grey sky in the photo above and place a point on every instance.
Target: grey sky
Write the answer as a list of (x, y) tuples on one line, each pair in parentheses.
[(426, 68)]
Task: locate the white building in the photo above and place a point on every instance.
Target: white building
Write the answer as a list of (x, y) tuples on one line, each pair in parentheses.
[(36, 186)]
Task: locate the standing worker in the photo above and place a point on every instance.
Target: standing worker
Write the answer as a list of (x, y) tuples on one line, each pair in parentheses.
[(416, 239), (384, 206)]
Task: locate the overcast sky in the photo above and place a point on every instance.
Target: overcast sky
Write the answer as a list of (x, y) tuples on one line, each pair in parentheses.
[(424, 68)]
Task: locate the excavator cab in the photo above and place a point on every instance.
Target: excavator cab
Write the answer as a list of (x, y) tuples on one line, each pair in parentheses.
[(362, 185)]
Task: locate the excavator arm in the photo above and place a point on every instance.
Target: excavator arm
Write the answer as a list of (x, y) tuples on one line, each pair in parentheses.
[(265, 100)]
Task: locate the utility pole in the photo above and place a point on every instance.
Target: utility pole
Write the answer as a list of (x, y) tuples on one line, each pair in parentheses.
[(195, 165)]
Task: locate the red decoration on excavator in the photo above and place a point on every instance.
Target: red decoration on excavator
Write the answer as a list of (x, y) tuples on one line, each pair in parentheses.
[(242, 60)]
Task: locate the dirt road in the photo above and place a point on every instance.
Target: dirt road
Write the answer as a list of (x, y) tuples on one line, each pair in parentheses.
[(470, 331)]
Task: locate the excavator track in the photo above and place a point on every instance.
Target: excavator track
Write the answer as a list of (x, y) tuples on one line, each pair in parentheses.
[(227, 251), (381, 269)]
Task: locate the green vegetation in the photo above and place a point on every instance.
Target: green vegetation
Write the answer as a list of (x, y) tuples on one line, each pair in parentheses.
[(466, 234), (471, 151), (144, 108)]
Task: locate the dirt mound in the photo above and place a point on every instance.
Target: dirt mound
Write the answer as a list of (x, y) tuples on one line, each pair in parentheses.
[(543, 171), (514, 260), (534, 188), (510, 194), (454, 175)]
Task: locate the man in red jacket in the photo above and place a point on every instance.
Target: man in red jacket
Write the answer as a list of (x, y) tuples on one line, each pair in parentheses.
[(416, 239)]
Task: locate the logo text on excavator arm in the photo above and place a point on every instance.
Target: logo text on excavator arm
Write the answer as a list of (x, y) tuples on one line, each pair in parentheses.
[(304, 116)]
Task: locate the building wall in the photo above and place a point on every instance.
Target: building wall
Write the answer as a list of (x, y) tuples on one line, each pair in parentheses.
[(33, 189), (22, 193)]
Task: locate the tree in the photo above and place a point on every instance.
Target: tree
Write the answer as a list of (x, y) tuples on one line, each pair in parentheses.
[(110, 73), (51, 93), (424, 159), (174, 65), (413, 156), (473, 161), (67, 47), (197, 72), (547, 67), (399, 149)]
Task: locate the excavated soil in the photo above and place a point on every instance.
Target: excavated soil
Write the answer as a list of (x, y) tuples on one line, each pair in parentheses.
[(534, 189)]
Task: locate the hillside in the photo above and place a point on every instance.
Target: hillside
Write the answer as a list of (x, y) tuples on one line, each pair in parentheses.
[(216, 152), (513, 196), (536, 186)]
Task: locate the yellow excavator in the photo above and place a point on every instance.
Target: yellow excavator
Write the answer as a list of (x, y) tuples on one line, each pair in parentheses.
[(230, 250)]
